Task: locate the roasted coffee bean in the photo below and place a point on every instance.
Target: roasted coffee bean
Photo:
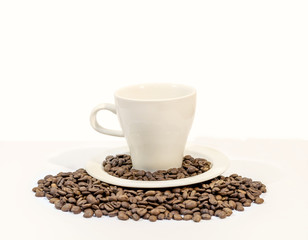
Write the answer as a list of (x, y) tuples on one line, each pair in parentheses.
[(66, 207), (53, 200), (152, 218), (109, 207), (150, 193), (129, 213), (98, 213), (77, 192), (59, 204), (141, 212), (221, 214), (161, 199), (189, 204), (76, 209), (87, 205), (155, 211), (247, 203), (53, 191), (122, 215), (187, 217), (212, 200), (113, 213), (72, 200), (232, 204), (196, 218), (204, 211), (206, 216), (123, 198), (125, 205), (39, 194), (259, 200), (135, 216), (91, 199), (61, 192), (239, 206), (88, 213), (177, 216), (192, 169), (228, 211)]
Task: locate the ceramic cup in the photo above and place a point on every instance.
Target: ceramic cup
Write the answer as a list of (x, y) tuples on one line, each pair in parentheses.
[(155, 120)]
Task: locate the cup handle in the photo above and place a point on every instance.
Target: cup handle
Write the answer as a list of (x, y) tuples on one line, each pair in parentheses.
[(104, 106)]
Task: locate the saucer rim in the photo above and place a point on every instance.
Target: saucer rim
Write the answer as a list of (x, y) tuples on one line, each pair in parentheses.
[(219, 164)]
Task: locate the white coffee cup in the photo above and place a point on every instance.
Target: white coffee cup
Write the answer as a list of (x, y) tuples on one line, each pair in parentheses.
[(155, 119)]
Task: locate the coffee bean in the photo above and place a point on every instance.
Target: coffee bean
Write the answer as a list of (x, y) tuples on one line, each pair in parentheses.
[(81, 202), (152, 218), (155, 211), (122, 216), (187, 217), (53, 200), (192, 169), (88, 213), (125, 205), (123, 198), (212, 200), (61, 192), (259, 200), (53, 191), (250, 195), (95, 207), (239, 206), (177, 217), (232, 204), (76, 209), (196, 218), (87, 205), (161, 199), (206, 216), (91, 199), (72, 200), (108, 207), (161, 216), (228, 211), (39, 193), (141, 212), (113, 213), (98, 213), (241, 195), (129, 213), (150, 193), (66, 207), (221, 214), (59, 204), (135, 216), (189, 204)]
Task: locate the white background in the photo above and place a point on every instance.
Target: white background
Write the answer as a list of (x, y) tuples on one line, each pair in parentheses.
[(247, 59)]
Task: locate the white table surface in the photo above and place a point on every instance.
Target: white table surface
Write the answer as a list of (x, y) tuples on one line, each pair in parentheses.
[(281, 164)]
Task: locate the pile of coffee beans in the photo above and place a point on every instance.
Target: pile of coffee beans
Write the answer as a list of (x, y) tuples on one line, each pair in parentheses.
[(121, 166), (78, 192)]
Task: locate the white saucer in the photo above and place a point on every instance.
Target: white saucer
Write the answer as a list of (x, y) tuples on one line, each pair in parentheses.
[(218, 160)]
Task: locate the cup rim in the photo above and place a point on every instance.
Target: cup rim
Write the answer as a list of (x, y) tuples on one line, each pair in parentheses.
[(193, 92)]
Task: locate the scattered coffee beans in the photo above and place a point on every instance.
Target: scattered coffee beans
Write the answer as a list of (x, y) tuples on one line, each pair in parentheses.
[(79, 192), (121, 166)]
